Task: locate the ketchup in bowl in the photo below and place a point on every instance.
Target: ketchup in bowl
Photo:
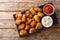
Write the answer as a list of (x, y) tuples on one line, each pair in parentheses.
[(48, 9)]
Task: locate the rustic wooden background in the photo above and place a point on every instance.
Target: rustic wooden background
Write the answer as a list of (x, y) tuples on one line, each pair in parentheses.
[(8, 29)]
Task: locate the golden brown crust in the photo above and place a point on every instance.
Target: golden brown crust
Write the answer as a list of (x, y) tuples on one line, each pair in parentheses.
[(33, 23), (38, 26), (23, 33), (30, 16), (19, 15), (36, 17), (33, 12), (38, 9), (32, 30), (27, 13), (27, 27), (21, 26), (28, 21), (40, 14), (23, 18), (18, 21)]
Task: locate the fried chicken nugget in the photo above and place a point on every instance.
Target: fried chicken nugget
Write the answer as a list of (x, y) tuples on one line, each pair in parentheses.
[(28, 21), (18, 21), (23, 18), (23, 33), (27, 27), (38, 26), (21, 26), (40, 14), (36, 17), (38, 9), (19, 15), (27, 13), (32, 30), (33, 23), (30, 16), (32, 11)]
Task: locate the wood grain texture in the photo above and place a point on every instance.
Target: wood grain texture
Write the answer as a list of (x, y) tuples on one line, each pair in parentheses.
[(7, 24), (7, 15), (17, 6), (47, 34), (8, 29), (8, 33), (7, 38), (23, 0)]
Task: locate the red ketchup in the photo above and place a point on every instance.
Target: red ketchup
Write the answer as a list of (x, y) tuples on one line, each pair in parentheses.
[(48, 9)]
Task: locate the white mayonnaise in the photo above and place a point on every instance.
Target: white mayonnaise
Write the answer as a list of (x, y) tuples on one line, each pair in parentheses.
[(47, 21)]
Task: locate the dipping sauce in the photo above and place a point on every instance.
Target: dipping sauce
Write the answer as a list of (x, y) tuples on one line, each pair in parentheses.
[(48, 9), (47, 21)]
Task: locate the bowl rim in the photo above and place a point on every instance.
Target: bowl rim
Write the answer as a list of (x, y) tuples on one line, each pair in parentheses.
[(48, 26), (52, 7)]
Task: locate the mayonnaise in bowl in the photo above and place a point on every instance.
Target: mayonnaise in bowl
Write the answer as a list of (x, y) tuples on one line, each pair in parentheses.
[(47, 21)]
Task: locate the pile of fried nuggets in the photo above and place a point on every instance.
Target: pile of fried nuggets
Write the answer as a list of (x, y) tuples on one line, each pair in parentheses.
[(29, 22)]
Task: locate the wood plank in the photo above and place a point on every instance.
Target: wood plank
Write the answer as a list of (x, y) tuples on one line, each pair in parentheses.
[(8, 6), (25, 5), (16, 1), (16, 6), (47, 34), (57, 0), (8, 33), (23, 0), (7, 24), (7, 38), (5, 20), (7, 15)]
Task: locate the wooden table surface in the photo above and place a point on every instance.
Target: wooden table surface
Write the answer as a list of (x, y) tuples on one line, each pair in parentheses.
[(8, 29)]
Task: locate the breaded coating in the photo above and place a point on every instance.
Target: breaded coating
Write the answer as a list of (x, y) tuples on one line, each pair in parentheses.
[(38, 26), (32, 30), (30, 16), (18, 21), (36, 17), (40, 14), (23, 32), (33, 23), (27, 27), (33, 12), (19, 15), (23, 18), (27, 13), (28, 21), (38, 9), (21, 26)]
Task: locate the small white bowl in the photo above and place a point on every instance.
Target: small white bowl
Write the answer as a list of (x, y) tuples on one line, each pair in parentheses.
[(47, 21), (52, 7)]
